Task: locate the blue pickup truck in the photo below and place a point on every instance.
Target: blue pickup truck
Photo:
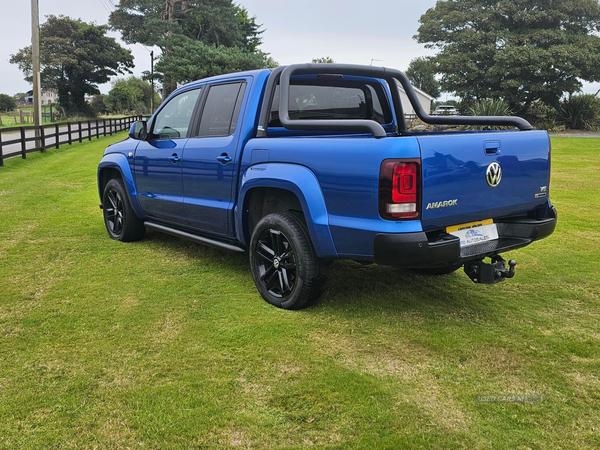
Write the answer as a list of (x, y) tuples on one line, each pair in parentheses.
[(306, 164)]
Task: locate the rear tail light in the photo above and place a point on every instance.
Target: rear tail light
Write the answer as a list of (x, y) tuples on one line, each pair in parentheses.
[(400, 189)]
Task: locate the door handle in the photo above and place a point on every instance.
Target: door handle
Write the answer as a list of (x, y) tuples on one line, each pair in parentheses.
[(224, 158), (492, 147), (174, 158)]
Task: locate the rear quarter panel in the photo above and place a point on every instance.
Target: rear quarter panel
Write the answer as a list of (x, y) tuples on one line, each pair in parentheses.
[(347, 169)]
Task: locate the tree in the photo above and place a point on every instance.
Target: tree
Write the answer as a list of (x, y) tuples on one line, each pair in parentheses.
[(207, 28), (191, 60), (75, 57), (7, 103), (131, 95), (324, 60), (421, 73), (516, 50)]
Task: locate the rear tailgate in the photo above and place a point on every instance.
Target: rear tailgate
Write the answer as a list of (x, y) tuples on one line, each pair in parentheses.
[(455, 175)]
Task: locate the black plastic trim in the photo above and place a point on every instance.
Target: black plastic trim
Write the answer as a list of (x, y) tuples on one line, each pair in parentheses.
[(415, 250), (263, 119)]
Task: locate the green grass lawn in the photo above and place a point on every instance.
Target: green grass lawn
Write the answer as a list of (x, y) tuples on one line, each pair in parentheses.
[(167, 344)]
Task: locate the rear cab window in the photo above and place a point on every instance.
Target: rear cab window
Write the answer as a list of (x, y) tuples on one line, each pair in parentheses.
[(326, 98)]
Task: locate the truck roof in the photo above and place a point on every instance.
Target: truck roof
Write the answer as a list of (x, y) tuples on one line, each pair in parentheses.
[(226, 76)]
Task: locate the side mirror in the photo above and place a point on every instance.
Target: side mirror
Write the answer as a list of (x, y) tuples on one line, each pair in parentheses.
[(138, 130)]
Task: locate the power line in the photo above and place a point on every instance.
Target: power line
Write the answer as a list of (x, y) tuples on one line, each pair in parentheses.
[(105, 7), (109, 9)]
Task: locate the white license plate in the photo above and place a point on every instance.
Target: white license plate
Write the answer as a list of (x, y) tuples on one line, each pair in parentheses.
[(475, 232)]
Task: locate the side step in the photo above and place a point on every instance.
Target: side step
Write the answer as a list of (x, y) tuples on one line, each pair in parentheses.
[(192, 237)]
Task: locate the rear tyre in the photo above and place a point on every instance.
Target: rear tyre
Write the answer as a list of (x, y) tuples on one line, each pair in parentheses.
[(435, 271), (119, 218), (286, 270)]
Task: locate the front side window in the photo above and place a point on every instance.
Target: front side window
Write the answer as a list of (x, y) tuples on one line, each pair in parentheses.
[(220, 114), (173, 121)]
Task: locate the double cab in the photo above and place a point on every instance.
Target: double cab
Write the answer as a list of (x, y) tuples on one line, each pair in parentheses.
[(310, 163)]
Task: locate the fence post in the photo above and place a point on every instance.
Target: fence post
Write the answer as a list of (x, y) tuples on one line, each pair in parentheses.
[(110, 126), (57, 130), (80, 134), (97, 130), (1, 153), (23, 144), (104, 126), (42, 139), (89, 130), (69, 133)]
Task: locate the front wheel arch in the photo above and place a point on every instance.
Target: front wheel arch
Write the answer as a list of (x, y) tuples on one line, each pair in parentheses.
[(117, 166)]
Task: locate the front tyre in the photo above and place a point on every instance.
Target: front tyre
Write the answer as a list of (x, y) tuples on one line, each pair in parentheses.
[(285, 267), (121, 222)]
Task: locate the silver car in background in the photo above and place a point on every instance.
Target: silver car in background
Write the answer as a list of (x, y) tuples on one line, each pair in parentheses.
[(445, 110)]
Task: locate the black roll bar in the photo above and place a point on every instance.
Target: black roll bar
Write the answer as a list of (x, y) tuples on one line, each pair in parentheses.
[(391, 76)]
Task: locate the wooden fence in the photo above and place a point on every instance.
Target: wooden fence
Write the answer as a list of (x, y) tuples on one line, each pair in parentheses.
[(14, 141)]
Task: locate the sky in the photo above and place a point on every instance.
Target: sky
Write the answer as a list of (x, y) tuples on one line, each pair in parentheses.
[(349, 31)]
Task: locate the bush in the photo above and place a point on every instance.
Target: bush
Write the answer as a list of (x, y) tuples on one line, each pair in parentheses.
[(542, 116), (7, 103), (130, 96), (580, 112), (99, 105), (490, 107)]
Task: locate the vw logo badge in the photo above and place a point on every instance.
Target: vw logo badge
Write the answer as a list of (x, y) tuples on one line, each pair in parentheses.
[(493, 174)]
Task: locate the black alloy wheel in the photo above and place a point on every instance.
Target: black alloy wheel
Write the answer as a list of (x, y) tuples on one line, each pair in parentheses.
[(285, 267), (115, 213), (277, 263), (120, 219)]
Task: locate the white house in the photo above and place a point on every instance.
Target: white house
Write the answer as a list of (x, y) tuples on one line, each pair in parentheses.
[(424, 98), (48, 97)]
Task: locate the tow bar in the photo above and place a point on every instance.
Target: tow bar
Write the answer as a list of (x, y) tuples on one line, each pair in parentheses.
[(484, 273)]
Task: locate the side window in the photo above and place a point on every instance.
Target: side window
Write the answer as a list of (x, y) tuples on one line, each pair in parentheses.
[(173, 121), (221, 110)]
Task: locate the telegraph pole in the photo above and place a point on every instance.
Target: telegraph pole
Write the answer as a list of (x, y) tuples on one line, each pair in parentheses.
[(152, 81), (35, 57)]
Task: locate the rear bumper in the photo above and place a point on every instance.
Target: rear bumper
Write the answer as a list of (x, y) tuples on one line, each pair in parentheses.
[(417, 250)]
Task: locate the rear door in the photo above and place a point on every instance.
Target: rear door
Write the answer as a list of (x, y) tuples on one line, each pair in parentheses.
[(209, 159), (157, 163), (476, 176)]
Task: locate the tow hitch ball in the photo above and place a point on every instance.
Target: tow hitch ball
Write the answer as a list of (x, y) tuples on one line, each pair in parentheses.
[(484, 273)]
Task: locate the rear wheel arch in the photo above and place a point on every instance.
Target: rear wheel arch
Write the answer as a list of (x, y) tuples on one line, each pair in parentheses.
[(304, 198), (262, 201)]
